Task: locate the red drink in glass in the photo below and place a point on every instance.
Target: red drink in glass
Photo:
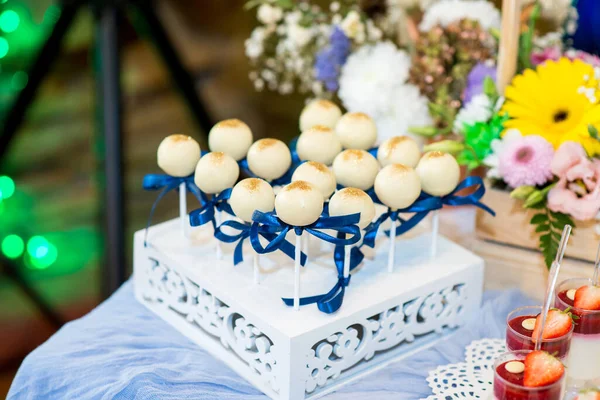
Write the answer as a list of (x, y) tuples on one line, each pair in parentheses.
[(584, 356), (510, 385), (519, 336)]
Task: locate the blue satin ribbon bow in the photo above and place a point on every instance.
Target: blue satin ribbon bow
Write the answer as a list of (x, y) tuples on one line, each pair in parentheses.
[(269, 222), (244, 233), (168, 183), (344, 225), (206, 213), (331, 301), (427, 203)]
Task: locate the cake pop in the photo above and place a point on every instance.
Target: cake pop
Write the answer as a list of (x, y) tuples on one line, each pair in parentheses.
[(399, 150), (318, 174), (247, 196), (351, 201), (440, 174), (318, 143), (232, 137), (355, 168), (269, 159), (319, 112), (356, 131), (177, 156), (397, 186)]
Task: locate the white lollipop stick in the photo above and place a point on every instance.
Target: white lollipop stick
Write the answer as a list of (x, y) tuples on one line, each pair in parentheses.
[(218, 222), (256, 269), (552, 278), (347, 261), (306, 245), (392, 253), (435, 229), (183, 214), (297, 271), (596, 277)]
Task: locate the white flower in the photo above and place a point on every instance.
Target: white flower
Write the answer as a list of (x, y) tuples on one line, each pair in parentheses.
[(498, 146), (479, 109), (556, 10), (254, 44), (267, 14), (370, 76), (298, 36), (353, 26), (447, 12), (408, 108)]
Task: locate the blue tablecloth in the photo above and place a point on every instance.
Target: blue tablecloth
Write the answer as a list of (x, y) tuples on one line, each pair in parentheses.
[(123, 351)]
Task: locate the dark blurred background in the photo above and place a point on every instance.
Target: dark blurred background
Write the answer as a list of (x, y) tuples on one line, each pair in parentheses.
[(50, 199)]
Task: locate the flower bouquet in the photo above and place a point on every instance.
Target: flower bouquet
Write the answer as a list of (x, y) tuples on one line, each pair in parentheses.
[(538, 138)]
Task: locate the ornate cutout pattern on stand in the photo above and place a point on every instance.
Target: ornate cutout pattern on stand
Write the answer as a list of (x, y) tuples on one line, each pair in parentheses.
[(164, 285)]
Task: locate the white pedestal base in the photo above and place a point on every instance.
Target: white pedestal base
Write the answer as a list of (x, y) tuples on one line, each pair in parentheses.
[(292, 355)]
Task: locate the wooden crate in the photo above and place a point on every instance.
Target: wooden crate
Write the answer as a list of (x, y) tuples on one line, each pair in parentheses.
[(511, 227)]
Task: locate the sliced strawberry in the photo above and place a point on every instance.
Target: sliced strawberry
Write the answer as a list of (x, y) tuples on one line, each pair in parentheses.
[(591, 394), (542, 369), (588, 298), (558, 323)]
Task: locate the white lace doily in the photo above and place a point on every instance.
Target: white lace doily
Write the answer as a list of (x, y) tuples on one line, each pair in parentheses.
[(472, 379)]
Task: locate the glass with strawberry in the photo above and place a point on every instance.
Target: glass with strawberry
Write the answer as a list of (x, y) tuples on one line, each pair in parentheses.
[(523, 325), (528, 375), (582, 298)]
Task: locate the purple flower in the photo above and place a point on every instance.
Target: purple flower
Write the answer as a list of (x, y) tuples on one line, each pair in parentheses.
[(475, 81), (329, 61)]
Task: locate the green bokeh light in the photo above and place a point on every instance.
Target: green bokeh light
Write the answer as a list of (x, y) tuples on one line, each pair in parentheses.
[(43, 253), (9, 21), (19, 80), (3, 47), (13, 246), (7, 187)]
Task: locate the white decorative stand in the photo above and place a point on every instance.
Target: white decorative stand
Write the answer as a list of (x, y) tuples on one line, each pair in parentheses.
[(293, 355)]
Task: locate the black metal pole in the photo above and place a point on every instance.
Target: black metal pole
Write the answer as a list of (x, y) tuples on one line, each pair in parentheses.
[(109, 116), (36, 74), (181, 77)]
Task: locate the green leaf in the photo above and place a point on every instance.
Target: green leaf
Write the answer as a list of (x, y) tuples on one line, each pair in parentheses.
[(423, 130), (593, 132), (539, 219), (542, 228), (538, 206), (522, 192), (489, 88), (534, 198), (447, 146)]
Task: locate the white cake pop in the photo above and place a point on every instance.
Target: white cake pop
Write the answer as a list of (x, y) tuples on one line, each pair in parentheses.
[(318, 143), (397, 186), (319, 112), (318, 174), (178, 155), (399, 150), (216, 172), (439, 173), (356, 131), (299, 204), (355, 168), (232, 137), (249, 195), (351, 201), (269, 158)]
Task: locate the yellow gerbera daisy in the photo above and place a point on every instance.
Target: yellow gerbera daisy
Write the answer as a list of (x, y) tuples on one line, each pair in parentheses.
[(557, 101)]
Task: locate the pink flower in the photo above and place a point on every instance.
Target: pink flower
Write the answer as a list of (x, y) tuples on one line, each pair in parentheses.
[(577, 192), (526, 161), (555, 53)]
